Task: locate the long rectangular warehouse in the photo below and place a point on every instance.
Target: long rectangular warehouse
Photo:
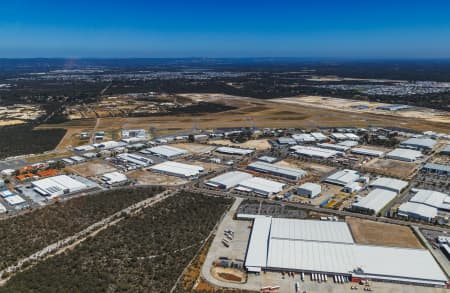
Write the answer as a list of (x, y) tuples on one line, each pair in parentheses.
[(276, 170), (419, 143), (375, 201), (315, 152), (58, 185), (167, 151), (432, 198), (406, 155), (228, 180), (260, 186), (343, 177), (178, 169), (335, 147), (367, 152), (328, 248), (233, 151), (392, 184)]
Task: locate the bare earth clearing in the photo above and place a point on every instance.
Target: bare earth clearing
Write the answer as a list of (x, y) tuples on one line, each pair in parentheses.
[(287, 112), (373, 233)]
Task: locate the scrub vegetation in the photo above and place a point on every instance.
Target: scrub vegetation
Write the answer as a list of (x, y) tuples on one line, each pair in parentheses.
[(143, 253), (25, 234)]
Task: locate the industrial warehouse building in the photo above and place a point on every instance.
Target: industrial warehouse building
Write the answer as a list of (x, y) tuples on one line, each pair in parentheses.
[(419, 143), (286, 141), (328, 247), (345, 136), (260, 186), (417, 211), (233, 151), (375, 201), (267, 159), (228, 180), (406, 155), (15, 200), (348, 143), (135, 159), (114, 178), (437, 168), (304, 138), (178, 169), (392, 184), (343, 177), (331, 146), (432, 198), (315, 152), (107, 145), (58, 186), (281, 171), (167, 151), (367, 152), (319, 136), (309, 189)]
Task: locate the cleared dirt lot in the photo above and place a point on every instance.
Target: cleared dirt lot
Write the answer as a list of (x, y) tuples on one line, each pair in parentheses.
[(313, 169), (151, 178), (390, 167), (92, 168), (258, 144), (257, 113), (348, 105), (194, 148), (374, 233)]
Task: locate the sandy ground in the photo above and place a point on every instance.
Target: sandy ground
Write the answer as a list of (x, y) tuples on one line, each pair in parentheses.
[(152, 178), (49, 156), (287, 112), (194, 148), (206, 165), (390, 167), (92, 168), (11, 122), (346, 105), (258, 144), (374, 233)]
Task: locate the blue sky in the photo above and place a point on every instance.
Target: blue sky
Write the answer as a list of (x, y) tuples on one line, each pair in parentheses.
[(190, 28)]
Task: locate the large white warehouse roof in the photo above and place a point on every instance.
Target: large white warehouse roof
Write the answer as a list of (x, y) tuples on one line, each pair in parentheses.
[(257, 247), (311, 230), (432, 198), (404, 155), (389, 184), (229, 180), (58, 185), (178, 169), (414, 142), (417, 210), (331, 146), (367, 152), (167, 151), (304, 137), (14, 199), (343, 177), (314, 152), (277, 170), (319, 136), (233, 151), (114, 178), (261, 186), (376, 200), (273, 246)]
